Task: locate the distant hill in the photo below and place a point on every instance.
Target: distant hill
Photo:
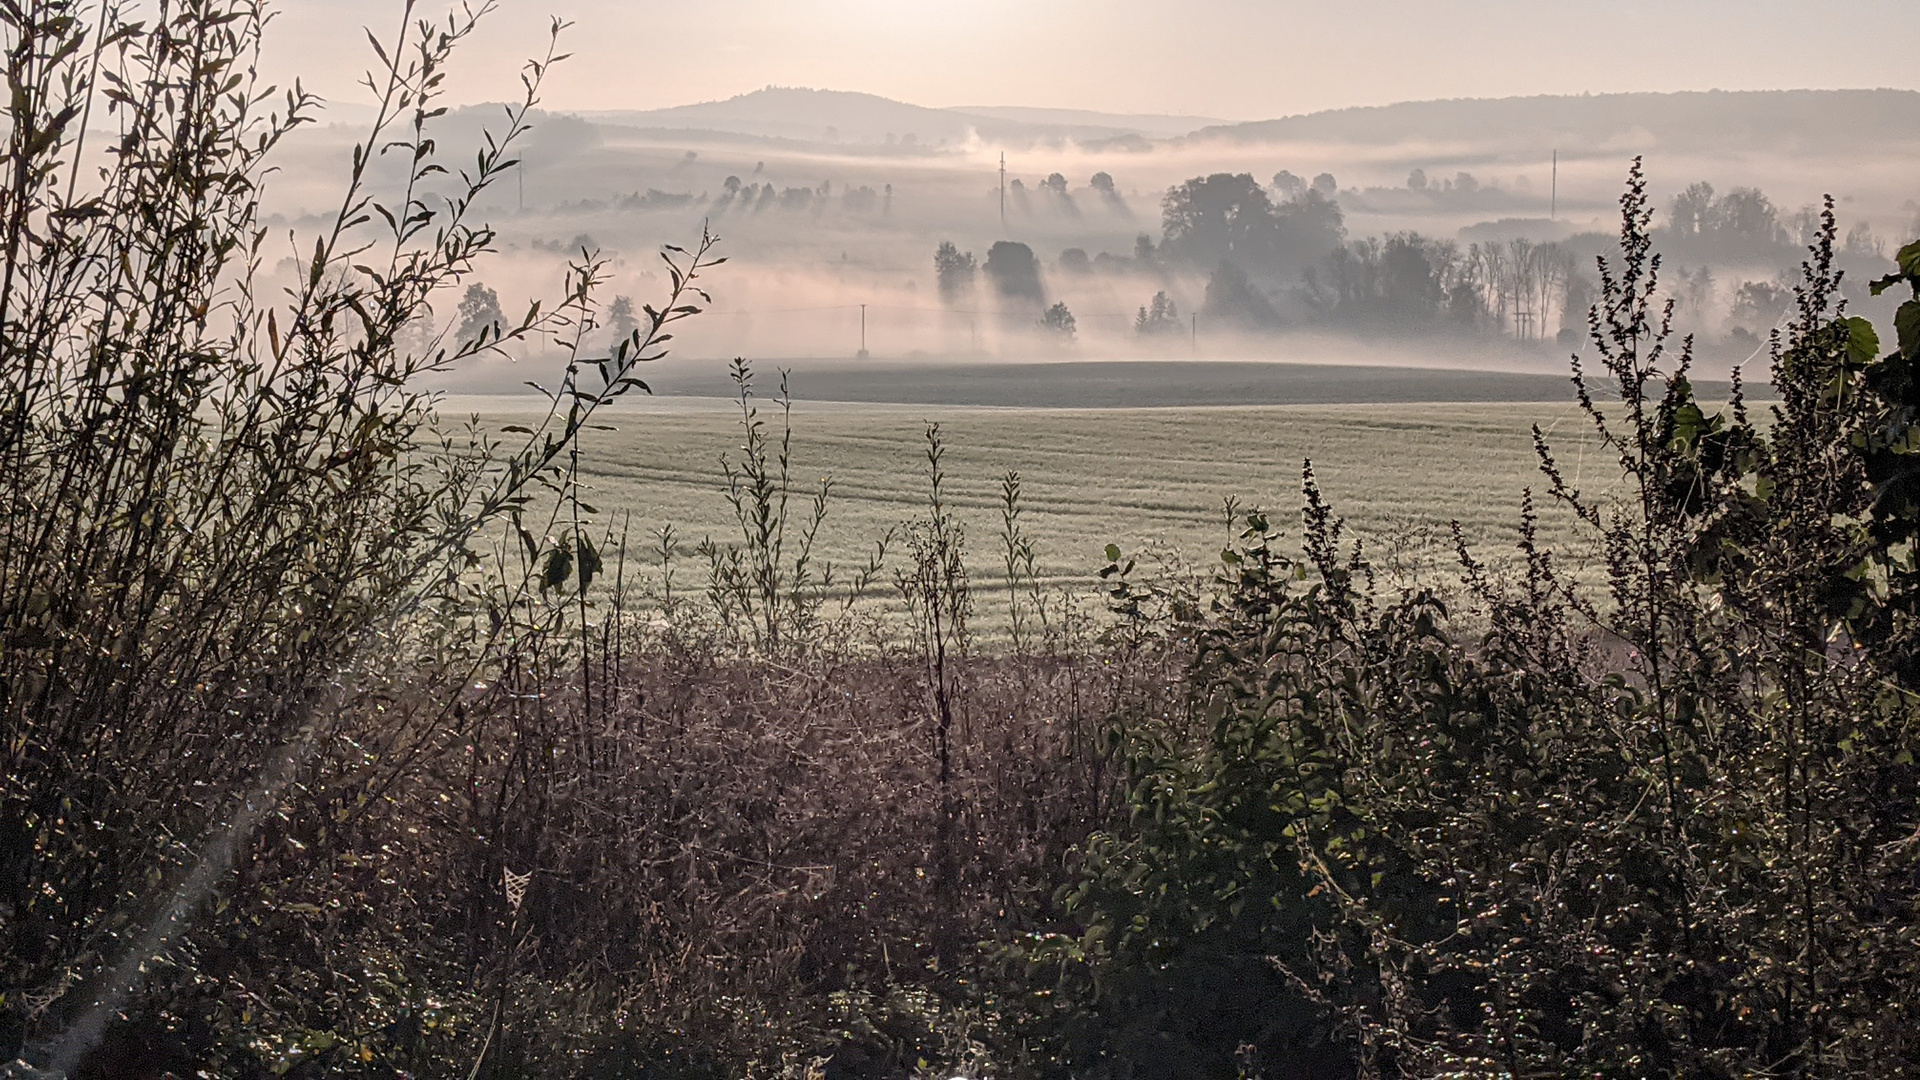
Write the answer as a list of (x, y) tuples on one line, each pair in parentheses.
[(1794, 121), (1800, 120), (1150, 125), (812, 115), (844, 116)]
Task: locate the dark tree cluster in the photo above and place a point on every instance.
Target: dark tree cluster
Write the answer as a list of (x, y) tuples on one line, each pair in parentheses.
[(954, 271), (1742, 223), (1233, 302), (1229, 217), (1407, 281), (1158, 317), (1014, 273)]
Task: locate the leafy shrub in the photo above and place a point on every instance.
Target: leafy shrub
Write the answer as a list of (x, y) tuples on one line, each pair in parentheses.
[(237, 598), (1665, 831)]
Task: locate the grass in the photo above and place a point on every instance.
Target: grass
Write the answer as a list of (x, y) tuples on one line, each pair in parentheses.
[(1147, 479)]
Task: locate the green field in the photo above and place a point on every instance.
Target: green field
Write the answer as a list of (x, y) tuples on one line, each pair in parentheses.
[(1146, 479)]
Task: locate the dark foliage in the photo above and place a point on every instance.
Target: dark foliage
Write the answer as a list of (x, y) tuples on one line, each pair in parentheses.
[(1159, 317), (954, 271), (1408, 282), (1229, 217), (1058, 320), (1669, 831), (1014, 273), (1233, 301)]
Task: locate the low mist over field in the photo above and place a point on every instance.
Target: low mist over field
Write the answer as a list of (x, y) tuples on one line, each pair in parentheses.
[(1449, 233)]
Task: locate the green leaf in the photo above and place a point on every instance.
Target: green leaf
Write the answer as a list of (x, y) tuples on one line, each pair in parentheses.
[(1906, 324), (1113, 553), (1909, 259), (1688, 425), (1863, 344)]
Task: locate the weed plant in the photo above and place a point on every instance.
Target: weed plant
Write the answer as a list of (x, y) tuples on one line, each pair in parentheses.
[(336, 741), (1518, 830)]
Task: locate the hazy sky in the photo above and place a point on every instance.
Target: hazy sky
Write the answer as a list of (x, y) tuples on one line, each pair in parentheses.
[(1236, 59)]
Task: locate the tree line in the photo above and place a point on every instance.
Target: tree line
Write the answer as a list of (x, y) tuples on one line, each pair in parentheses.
[(1278, 255)]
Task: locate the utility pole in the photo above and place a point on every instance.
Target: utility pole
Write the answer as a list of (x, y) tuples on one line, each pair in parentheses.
[(863, 331), (1553, 211), (1003, 192)]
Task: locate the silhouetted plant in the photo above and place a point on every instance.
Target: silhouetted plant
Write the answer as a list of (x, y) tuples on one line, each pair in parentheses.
[(954, 272), (767, 585), (1665, 831), (1160, 316), (1058, 320), (235, 545), (939, 603)]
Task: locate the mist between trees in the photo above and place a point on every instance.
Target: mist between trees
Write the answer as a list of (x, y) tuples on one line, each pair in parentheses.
[(1248, 269), (1277, 257), (1420, 259), (344, 739)]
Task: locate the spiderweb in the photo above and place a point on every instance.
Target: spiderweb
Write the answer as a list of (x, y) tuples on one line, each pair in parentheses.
[(516, 886)]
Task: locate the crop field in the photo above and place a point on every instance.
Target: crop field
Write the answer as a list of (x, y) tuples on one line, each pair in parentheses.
[(1153, 481), (1145, 383)]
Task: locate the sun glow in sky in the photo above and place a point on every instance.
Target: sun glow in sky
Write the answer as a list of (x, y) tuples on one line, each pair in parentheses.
[(1233, 59)]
